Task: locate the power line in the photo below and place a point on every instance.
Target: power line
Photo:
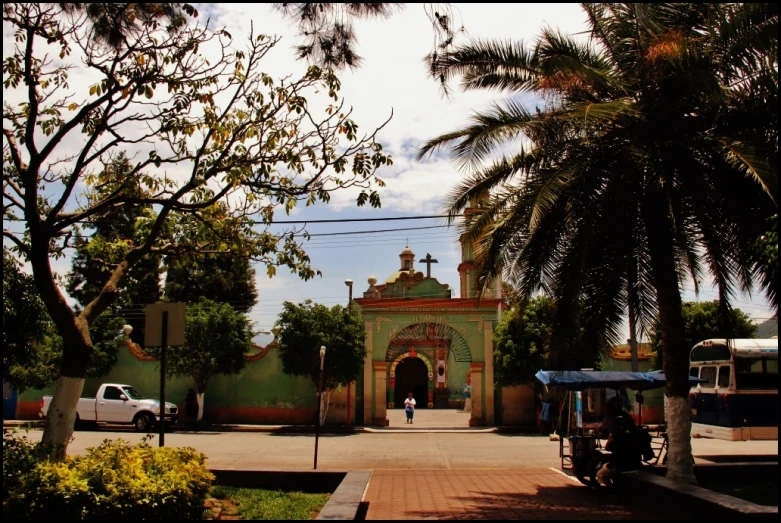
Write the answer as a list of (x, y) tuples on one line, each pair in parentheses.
[(347, 220), (379, 230), (343, 233)]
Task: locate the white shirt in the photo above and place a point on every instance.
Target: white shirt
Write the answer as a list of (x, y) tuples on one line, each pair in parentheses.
[(409, 402)]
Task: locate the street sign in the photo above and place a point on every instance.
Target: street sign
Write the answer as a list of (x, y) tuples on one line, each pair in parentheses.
[(153, 335)]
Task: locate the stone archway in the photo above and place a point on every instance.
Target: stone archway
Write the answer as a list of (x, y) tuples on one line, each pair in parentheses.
[(435, 343), (429, 385), (437, 335)]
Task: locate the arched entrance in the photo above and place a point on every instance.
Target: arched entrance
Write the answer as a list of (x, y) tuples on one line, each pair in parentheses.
[(405, 362), (411, 375), (444, 351)]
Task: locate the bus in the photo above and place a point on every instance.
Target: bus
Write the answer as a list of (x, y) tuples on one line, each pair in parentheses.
[(737, 399)]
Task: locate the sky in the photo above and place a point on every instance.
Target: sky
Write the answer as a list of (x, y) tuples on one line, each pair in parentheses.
[(393, 79)]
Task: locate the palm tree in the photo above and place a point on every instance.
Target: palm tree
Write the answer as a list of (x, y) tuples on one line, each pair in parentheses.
[(652, 158)]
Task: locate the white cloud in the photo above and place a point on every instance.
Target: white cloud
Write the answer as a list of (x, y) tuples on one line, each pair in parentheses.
[(393, 77)]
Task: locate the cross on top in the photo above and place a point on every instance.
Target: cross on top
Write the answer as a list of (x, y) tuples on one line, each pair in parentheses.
[(428, 260)]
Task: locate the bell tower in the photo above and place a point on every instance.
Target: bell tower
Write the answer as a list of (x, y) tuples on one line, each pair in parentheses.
[(466, 269), (407, 258)]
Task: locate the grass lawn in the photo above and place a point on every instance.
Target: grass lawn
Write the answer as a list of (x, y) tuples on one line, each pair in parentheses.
[(761, 493), (251, 503)]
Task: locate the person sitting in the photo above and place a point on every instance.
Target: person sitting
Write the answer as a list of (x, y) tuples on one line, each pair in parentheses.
[(613, 412), (628, 446)]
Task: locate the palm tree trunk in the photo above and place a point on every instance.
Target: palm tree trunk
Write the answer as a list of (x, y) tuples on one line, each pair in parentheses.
[(675, 353)]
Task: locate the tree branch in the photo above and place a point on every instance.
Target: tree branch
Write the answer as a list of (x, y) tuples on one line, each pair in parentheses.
[(19, 243)]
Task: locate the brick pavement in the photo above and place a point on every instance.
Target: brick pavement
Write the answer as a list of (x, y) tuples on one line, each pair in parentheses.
[(528, 493)]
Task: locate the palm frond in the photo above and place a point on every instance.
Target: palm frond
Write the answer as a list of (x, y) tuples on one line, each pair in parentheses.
[(487, 64), (470, 146), (763, 169)]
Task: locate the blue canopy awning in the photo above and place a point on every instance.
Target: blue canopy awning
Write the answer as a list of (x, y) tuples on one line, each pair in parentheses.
[(577, 380)]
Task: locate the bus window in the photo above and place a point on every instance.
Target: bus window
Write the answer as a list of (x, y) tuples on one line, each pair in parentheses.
[(694, 371), (708, 374), (751, 374), (724, 372)]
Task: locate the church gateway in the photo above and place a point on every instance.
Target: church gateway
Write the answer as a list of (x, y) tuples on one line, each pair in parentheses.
[(419, 339)]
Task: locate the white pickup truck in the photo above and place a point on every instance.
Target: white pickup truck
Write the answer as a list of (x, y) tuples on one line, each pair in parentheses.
[(116, 403)]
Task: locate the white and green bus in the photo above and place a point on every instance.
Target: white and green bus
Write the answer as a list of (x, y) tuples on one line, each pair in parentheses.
[(738, 398)]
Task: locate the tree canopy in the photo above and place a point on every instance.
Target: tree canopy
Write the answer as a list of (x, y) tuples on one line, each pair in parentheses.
[(218, 338), (306, 327), (32, 348), (207, 132), (220, 278), (706, 320), (522, 345)]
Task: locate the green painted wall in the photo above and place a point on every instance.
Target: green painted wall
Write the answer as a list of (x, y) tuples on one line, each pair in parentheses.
[(653, 398), (456, 378), (261, 384)]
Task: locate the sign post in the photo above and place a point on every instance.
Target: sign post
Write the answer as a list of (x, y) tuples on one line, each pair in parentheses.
[(164, 326), (319, 403)]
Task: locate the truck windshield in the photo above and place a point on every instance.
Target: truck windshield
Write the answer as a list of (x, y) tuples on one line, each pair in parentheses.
[(133, 394)]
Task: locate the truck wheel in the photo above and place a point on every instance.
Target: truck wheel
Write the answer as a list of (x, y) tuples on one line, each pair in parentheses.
[(78, 424), (143, 422)]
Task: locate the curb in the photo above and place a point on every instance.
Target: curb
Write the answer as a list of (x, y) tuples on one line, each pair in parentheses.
[(307, 429)]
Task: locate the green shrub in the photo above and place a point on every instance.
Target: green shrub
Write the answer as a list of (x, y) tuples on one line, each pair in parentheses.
[(115, 481), (20, 455)]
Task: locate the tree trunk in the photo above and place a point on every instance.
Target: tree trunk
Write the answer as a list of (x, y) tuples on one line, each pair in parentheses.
[(200, 397), (675, 353), (61, 415)]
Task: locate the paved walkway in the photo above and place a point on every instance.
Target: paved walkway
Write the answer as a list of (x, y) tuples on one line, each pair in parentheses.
[(429, 475), (430, 419), (530, 493), (424, 450)]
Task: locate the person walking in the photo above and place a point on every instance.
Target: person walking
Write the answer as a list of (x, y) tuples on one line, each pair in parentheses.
[(409, 407)]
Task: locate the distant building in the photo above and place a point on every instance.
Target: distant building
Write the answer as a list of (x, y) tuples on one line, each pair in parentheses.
[(620, 359)]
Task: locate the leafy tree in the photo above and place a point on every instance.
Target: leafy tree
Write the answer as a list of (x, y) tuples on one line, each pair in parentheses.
[(98, 252), (227, 279), (24, 318), (32, 349), (653, 154), (510, 295), (703, 321), (211, 134), (522, 345), (223, 279), (306, 327), (218, 338)]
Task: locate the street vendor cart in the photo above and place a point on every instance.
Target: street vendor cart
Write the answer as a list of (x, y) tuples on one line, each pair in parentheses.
[(580, 449)]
